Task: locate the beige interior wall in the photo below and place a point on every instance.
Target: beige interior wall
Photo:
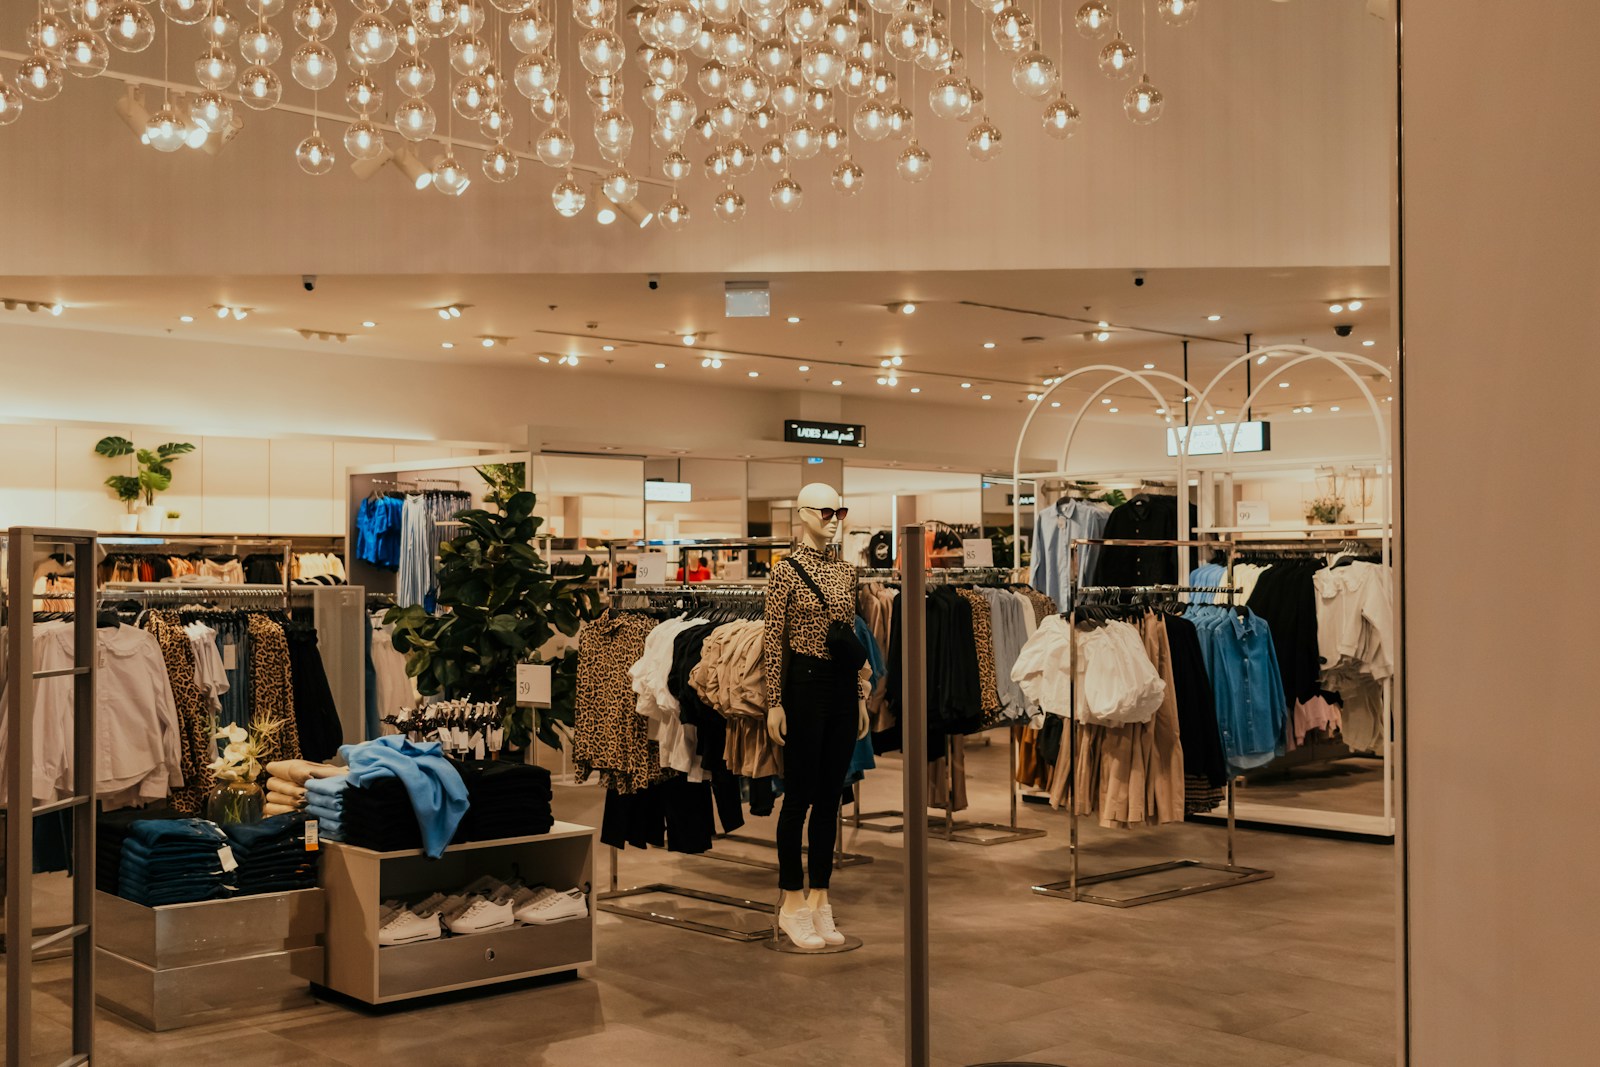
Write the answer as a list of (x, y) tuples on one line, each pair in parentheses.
[(1500, 228)]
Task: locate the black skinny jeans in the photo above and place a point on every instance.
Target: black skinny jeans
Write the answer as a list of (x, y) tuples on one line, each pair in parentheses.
[(820, 707)]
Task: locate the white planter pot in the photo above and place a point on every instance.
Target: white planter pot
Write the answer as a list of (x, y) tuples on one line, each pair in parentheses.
[(171, 525), (150, 519), (129, 523)]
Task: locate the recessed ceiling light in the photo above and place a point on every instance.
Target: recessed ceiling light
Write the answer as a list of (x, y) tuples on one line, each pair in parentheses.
[(369, 324), (837, 382), (986, 396), (1260, 360), (688, 338), (544, 359), (487, 342), (1368, 344), (608, 348), (1149, 366), (1222, 411), (1334, 408), (661, 366), (1354, 305), (803, 367), (1161, 411), (447, 344), (1114, 410), (1213, 318), (1103, 335), (1211, 418), (907, 308), (793, 319), (1055, 403), (988, 344), (884, 362), (1105, 400), (1033, 396), (185, 318), (916, 389), (1283, 385), (1336, 308), (754, 374), (896, 361), (221, 311), (966, 385), (1103, 324)]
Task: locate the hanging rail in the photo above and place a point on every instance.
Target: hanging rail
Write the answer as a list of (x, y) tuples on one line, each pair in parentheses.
[(1072, 887)]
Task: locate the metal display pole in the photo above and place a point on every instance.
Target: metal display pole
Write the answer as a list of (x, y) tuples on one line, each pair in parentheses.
[(914, 720)]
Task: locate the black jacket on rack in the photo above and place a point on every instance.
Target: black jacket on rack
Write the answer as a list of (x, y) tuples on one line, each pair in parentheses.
[(1147, 517)]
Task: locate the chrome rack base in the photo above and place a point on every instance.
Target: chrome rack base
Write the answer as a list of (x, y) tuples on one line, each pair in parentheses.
[(608, 903), (841, 860), (1238, 876)]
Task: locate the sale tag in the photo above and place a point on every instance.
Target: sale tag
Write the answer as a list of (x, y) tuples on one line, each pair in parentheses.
[(1251, 513), (533, 685), (225, 855), (977, 552), (654, 569), (312, 840)]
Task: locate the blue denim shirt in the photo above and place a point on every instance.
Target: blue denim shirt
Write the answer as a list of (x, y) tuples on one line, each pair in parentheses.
[(1054, 529), (1243, 665)]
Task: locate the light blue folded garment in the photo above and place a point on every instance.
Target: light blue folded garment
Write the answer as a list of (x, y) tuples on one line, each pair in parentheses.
[(327, 787), (328, 824), (438, 795)]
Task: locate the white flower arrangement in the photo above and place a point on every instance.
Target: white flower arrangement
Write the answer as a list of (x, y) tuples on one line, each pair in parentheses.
[(241, 756)]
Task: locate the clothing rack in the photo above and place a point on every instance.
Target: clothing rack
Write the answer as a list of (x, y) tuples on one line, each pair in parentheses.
[(1316, 821), (967, 832), (154, 594), (1072, 887)]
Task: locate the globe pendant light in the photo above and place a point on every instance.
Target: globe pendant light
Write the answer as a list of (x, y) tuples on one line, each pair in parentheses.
[(1177, 12), (449, 176), (211, 111), (10, 104), (786, 194), (87, 54), (1143, 102), (984, 142), (130, 27), (261, 45), (730, 205), (568, 197), (1116, 58), (1061, 119), (848, 176), (674, 214), (415, 119), (363, 140), (40, 77), (164, 132), (214, 69), (314, 155), (1093, 20), (915, 163), (260, 88), (500, 164)]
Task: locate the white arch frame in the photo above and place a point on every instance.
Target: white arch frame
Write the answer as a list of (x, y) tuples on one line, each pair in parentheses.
[(1119, 374)]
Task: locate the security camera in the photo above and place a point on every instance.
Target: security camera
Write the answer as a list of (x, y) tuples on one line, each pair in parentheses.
[(309, 281), (654, 282), (1344, 329), (1138, 277)]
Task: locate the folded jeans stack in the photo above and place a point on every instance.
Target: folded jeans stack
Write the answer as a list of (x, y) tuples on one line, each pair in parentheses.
[(432, 787), (174, 861), (504, 800), (325, 803), (111, 831), (272, 855)]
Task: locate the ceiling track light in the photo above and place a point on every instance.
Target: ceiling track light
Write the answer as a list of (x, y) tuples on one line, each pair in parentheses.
[(54, 307), (418, 173), (225, 311), (902, 307), (451, 311), (489, 340)]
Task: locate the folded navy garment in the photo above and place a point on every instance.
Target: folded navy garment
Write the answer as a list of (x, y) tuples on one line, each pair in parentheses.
[(268, 831), (155, 832)]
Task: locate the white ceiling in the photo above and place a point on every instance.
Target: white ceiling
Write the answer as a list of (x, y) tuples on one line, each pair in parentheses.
[(1037, 321)]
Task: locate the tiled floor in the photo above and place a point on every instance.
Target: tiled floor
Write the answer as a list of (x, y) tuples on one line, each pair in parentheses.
[(1293, 972)]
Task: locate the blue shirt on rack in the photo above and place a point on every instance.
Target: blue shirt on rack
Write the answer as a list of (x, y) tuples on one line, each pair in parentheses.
[(1243, 665), (1054, 530)]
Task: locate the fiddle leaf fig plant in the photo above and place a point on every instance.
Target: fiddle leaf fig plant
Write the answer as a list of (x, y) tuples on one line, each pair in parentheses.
[(155, 468), (499, 606)]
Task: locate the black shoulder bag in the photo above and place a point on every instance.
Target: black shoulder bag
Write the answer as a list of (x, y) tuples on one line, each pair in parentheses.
[(843, 645)]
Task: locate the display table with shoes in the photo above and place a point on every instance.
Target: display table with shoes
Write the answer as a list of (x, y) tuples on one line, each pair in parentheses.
[(401, 925)]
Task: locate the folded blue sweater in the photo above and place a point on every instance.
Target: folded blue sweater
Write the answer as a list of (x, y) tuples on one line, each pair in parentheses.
[(437, 793)]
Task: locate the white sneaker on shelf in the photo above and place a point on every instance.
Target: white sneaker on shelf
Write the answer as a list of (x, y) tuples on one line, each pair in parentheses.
[(823, 920), (545, 905), (799, 928), (480, 917), (407, 927)]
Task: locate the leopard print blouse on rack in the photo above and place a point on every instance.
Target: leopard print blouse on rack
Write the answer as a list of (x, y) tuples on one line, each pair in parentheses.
[(271, 689), (195, 726)]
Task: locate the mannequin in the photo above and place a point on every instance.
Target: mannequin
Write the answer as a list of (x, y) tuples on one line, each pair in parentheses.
[(825, 716)]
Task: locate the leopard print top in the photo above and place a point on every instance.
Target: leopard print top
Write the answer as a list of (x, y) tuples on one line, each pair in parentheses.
[(983, 637), (609, 738), (195, 727), (796, 620), (271, 688)]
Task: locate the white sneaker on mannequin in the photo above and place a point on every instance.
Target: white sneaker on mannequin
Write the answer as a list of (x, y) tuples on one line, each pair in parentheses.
[(799, 928), (823, 920)]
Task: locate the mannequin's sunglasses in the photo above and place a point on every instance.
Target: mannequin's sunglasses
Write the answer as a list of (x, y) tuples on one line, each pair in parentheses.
[(828, 514)]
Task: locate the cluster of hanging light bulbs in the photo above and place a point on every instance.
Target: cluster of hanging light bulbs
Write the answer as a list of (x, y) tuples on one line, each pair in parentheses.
[(752, 83)]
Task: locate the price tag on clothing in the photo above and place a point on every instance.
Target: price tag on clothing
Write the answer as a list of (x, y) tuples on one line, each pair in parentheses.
[(654, 569), (230, 656), (312, 840), (533, 685), (1251, 513), (977, 552), (225, 856)]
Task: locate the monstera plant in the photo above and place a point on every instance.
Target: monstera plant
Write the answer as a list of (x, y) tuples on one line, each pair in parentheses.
[(155, 468), (498, 606)]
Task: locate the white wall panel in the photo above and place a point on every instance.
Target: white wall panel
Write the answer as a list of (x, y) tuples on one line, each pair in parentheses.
[(28, 496), (236, 485), (82, 499), (298, 489)]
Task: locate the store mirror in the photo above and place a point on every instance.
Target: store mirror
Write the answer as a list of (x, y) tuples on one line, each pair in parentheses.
[(883, 499), (588, 500)]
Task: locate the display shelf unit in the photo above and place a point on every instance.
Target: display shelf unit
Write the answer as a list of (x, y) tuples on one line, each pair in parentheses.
[(357, 881)]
